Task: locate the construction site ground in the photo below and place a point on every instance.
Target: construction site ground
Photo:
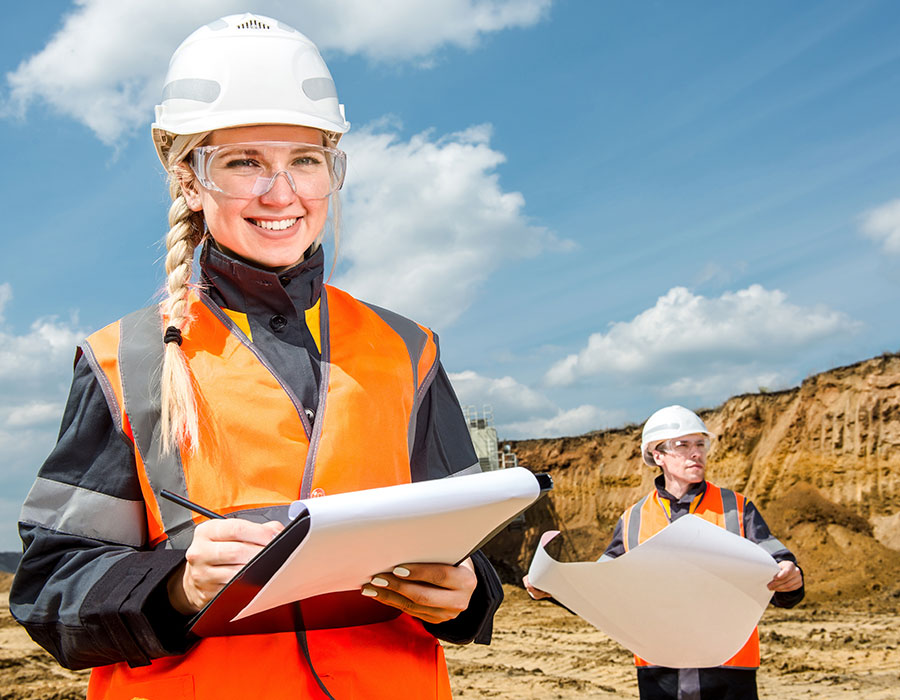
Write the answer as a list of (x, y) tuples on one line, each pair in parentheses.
[(542, 651)]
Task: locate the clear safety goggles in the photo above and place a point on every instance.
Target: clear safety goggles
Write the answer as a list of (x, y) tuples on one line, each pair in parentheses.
[(247, 170), (684, 446)]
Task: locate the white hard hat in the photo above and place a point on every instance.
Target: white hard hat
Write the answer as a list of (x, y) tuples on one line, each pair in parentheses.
[(242, 70), (666, 423)]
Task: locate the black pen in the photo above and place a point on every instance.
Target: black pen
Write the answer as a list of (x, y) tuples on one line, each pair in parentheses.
[(190, 505)]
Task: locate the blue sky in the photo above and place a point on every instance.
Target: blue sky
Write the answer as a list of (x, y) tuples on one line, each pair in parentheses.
[(601, 207)]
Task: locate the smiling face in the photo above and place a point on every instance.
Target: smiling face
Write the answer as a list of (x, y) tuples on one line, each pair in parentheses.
[(273, 229), (683, 461)]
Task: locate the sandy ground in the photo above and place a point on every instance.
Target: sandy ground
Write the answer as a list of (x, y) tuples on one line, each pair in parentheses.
[(541, 651)]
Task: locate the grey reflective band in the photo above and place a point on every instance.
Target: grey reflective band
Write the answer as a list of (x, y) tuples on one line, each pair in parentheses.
[(415, 340), (730, 511), (141, 351), (412, 336), (196, 89), (79, 511), (309, 469), (422, 389), (688, 684), (319, 88), (264, 514), (114, 409), (634, 523), (772, 545), (659, 429), (473, 469)]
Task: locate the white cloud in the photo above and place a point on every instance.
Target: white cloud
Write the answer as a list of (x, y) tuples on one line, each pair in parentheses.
[(575, 421), (35, 414), (882, 225), (427, 222), (508, 398), (5, 298), (522, 412), (48, 346), (688, 338), (35, 373), (105, 65), (726, 382)]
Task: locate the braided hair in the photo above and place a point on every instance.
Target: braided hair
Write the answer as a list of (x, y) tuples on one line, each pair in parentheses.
[(179, 421)]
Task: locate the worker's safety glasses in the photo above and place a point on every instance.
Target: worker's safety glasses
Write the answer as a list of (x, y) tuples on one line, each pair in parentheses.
[(247, 170), (685, 447)]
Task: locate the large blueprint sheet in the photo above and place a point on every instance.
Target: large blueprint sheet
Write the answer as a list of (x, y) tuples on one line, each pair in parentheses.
[(687, 597), (353, 536)]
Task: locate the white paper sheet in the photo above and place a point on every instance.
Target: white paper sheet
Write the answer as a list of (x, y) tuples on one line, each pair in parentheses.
[(688, 597), (354, 536)]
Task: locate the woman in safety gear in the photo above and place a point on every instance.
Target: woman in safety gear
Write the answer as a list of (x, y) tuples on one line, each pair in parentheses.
[(677, 441), (255, 387)]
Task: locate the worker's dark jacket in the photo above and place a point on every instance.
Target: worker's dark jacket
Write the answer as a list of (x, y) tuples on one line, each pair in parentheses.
[(98, 550), (737, 678)]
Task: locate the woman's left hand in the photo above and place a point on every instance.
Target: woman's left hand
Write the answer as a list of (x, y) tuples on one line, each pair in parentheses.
[(432, 592)]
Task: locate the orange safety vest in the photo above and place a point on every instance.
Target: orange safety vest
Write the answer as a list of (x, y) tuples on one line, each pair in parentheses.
[(719, 506), (258, 448)]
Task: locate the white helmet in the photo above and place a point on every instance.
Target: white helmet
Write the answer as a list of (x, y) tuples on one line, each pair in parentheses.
[(666, 423), (246, 69)]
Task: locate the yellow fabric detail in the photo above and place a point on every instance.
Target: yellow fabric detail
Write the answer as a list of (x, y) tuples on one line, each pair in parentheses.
[(666, 506), (312, 322), (240, 320), (696, 502)]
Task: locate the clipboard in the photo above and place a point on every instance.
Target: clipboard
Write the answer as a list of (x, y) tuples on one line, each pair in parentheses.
[(348, 608)]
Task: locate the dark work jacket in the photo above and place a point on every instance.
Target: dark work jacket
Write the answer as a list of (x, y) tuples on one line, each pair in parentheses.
[(89, 608), (660, 683)]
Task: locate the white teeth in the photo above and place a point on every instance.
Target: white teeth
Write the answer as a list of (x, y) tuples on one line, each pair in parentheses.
[(275, 225)]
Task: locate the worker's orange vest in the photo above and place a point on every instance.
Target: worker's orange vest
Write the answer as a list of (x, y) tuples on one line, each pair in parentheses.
[(257, 448), (719, 506)]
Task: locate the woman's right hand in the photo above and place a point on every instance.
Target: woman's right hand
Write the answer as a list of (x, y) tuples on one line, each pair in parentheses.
[(535, 593), (219, 550)]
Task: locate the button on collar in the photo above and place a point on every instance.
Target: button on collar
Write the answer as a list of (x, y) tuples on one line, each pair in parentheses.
[(277, 323)]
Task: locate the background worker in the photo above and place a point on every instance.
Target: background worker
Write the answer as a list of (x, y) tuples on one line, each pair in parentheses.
[(677, 441), (255, 387)]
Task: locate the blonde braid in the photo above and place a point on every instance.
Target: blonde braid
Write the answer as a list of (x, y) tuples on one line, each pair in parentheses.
[(179, 416)]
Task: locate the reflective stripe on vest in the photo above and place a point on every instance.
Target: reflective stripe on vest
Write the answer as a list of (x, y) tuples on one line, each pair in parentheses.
[(257, 449), (719, 506)]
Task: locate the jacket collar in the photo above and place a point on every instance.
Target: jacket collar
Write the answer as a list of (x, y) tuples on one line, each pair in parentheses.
[(693, 491), (238, 285)]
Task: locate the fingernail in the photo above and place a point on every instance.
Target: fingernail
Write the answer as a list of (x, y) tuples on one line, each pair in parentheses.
[(400, 571), (378, 581), (370, 592)]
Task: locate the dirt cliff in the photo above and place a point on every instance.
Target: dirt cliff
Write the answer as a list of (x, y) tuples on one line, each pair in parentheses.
[(821, 461)]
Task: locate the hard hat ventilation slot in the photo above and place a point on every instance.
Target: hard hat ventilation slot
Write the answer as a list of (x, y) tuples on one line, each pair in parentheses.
[(253, 24)]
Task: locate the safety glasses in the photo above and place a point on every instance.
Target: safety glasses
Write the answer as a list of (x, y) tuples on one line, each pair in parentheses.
[(684, 447), (248, 170)]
